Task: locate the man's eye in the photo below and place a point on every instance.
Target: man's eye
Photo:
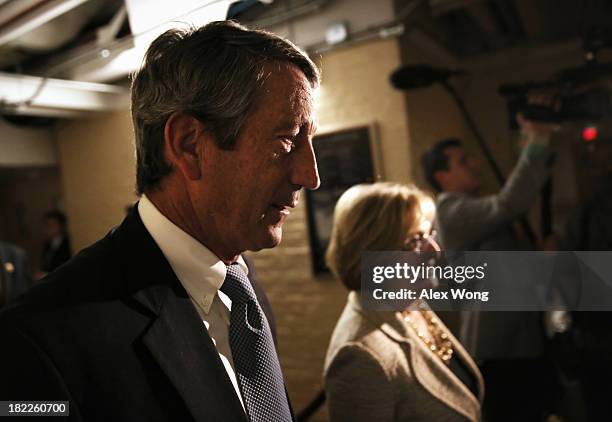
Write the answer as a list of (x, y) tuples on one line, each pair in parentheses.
[(287, 144)]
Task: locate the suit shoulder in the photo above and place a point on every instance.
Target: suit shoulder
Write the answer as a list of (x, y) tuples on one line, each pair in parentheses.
[(80, 280), (355, 336)]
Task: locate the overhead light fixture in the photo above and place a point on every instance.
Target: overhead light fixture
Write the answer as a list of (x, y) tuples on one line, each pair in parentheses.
[(336, 33)]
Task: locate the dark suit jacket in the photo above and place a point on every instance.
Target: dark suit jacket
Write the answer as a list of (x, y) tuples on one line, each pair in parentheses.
[(115, 334)]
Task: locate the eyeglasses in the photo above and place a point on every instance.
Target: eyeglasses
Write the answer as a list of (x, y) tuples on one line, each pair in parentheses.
[(422, 241)]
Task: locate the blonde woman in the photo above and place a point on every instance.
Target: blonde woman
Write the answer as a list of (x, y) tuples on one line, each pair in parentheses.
[(392, 366)]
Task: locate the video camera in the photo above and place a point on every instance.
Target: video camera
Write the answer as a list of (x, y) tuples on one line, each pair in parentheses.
[(581, 93)]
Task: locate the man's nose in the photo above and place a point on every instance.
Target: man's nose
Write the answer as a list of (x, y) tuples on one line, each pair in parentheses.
[(305, 172)]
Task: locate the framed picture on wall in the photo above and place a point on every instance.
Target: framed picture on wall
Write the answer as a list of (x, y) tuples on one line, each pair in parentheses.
[(345, 157)]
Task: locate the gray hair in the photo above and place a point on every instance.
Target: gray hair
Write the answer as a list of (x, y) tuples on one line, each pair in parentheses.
[(212, 73)]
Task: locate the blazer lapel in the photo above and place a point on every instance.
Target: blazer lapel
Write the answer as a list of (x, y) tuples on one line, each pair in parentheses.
[(439, 380), (469, 362), (428, 369), (177, 339)]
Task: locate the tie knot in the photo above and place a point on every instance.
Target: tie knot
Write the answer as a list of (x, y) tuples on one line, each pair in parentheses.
[(237, 285)]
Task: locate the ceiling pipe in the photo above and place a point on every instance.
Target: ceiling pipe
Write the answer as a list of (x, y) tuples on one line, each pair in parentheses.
[(37, 96), (392, 28), (296, 12)]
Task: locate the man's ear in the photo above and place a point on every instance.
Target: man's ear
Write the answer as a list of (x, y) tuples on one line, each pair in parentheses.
[(183, 144)]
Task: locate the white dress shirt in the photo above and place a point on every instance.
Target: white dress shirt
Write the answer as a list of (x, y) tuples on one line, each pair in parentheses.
[(201, 273)]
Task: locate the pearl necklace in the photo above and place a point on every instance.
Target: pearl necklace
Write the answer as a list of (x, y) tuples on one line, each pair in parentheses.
[(441, 344)]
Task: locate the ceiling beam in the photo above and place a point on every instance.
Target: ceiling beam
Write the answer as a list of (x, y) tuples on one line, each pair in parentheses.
[(441, 7), (101, 63), (35, 17), (432, 48), (510, 17), (530, 18), (481, 14), (11, 9)]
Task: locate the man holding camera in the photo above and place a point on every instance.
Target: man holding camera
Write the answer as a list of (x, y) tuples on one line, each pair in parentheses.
[(509, 346)]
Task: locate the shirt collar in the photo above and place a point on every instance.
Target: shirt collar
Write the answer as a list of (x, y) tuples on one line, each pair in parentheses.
[(198, 269)]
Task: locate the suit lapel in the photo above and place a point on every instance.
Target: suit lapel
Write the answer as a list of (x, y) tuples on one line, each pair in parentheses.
[(177, 339), (180, 344)]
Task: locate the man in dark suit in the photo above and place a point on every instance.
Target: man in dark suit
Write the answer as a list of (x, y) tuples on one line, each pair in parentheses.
[(56, 248), (157, 321)]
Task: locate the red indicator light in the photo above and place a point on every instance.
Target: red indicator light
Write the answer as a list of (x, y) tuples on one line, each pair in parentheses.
[(589, 133)]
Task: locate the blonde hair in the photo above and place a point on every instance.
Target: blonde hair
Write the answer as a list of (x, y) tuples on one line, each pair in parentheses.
[(373, 217)]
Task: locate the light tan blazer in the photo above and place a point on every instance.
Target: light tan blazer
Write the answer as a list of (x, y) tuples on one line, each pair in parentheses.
[(378, 370)]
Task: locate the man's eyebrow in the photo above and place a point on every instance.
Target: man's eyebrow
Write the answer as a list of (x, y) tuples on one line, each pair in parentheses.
[(291, 125), (288, 125)]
